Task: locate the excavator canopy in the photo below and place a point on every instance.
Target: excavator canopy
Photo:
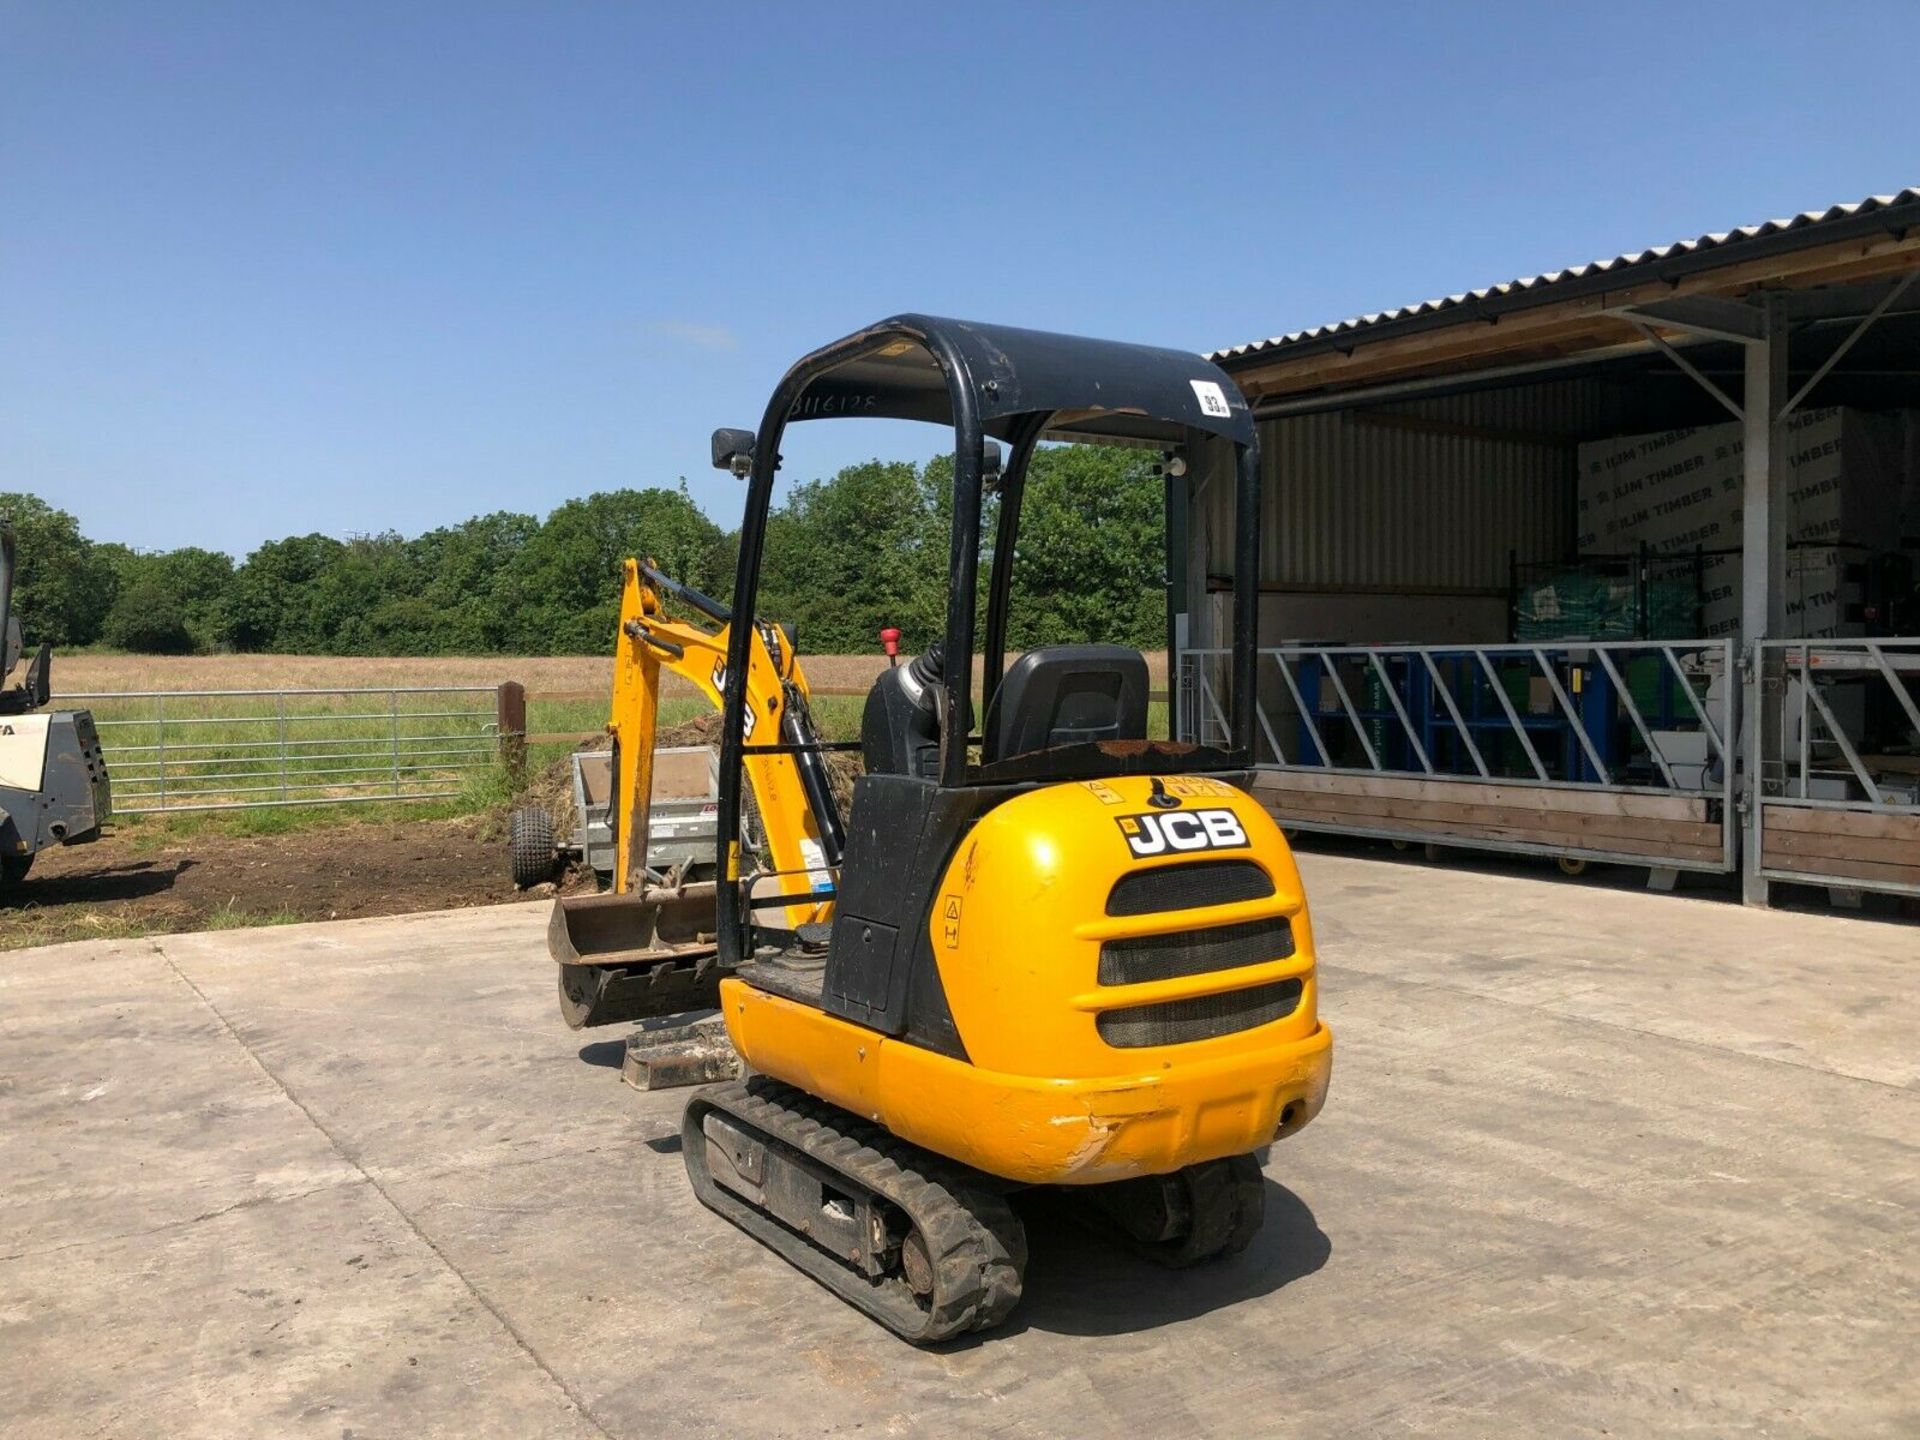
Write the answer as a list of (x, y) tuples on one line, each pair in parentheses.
[(993, 383), (916, 367)]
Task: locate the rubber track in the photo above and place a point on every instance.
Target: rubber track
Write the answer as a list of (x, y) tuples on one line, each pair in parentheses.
[(1228, 1200), (977, 1245), (1229, 1205)]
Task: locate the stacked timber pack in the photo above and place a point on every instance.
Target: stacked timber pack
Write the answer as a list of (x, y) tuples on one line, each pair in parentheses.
[(1679, 491)]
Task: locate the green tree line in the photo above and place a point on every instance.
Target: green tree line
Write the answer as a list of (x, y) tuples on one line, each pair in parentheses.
[(844, 556)]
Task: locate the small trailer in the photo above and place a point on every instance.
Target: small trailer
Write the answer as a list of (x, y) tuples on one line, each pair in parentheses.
[(681, 826)]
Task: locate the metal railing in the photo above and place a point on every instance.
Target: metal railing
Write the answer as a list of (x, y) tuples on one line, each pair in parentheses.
[(1840, 795), (184, 750), (1618, 716)]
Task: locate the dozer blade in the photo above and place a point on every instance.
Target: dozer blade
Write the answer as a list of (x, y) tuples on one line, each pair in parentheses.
[(632, 957), (679, 1053)]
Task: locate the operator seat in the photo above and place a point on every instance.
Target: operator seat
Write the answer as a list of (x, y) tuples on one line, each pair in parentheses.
[(1067, 695), (1055, 695)]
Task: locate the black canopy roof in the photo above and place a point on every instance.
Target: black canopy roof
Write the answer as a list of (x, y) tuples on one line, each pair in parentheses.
[(1094, 389)]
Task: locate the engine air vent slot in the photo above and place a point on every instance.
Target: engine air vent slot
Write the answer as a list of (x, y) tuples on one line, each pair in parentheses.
[(1140, 958), (1177, 1022), (1187, 887)]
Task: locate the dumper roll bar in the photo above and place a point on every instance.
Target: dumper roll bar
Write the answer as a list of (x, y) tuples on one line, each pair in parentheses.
[(1020, 386)]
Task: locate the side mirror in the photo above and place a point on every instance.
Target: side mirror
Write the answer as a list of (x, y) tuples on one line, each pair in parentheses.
[(993, 464), (733, 450), (40, 677)]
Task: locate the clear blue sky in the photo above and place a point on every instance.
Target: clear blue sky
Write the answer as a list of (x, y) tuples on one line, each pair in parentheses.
[(271, 268)]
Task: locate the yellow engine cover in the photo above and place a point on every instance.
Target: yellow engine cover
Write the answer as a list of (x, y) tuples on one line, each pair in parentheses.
[(1018, 926)]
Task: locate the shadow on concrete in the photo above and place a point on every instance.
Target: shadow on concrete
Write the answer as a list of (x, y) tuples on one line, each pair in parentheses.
[(1816, 900), (673, 1022), (610, 1053), (1079, 1283), (1599, 875), (133, 880)]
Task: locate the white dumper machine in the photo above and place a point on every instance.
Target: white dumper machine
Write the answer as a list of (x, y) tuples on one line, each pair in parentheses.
[(53, 779)]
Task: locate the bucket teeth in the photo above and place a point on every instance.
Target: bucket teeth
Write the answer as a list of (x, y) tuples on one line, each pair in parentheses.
[(615, 994)]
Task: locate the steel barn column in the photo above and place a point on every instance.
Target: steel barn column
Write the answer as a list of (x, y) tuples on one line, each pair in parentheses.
[(1763, 570)]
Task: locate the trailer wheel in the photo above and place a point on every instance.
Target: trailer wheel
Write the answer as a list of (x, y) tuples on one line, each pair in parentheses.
[(530, 852), (1571, 865), (13, 868)]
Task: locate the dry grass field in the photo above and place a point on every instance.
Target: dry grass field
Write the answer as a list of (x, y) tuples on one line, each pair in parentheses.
[(74, 674), (567, 673)]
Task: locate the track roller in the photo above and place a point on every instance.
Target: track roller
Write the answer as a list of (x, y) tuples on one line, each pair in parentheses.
[(1203, 1212), (928, 1248)]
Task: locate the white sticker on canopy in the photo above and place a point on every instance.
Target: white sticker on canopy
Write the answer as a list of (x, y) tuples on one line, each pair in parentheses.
[(1213, 400)]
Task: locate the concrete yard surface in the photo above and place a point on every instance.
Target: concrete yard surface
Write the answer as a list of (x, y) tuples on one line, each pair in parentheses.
[(1594, 1163)]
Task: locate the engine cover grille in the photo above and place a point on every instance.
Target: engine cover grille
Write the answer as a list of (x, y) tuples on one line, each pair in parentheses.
[(1188, 887), (1140, 958), (1175, 1022)]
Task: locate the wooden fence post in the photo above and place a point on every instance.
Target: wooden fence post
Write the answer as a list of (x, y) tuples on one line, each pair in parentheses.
[(511, 723)]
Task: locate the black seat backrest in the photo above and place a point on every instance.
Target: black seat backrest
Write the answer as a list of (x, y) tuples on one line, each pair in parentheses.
[(1065, 694)]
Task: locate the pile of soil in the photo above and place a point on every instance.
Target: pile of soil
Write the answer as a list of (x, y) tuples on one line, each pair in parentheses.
[(126, 884), (122, 885), (551, 786)]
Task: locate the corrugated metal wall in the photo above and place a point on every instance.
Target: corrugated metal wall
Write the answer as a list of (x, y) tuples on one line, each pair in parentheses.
[(1418, 498), (1366, 498), (1354, 504)]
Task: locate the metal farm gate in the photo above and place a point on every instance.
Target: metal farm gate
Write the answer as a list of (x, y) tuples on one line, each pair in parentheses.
[(1617, 751), (1841, 806), (169, 751)]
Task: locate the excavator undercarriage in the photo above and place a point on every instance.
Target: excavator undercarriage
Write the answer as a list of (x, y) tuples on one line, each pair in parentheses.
[(928, 1248)]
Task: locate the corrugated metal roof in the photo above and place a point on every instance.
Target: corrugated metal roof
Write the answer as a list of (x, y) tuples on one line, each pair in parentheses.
[(1680, 249)]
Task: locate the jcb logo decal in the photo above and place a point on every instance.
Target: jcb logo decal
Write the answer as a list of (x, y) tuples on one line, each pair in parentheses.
[(720, 687), (1175, 830)]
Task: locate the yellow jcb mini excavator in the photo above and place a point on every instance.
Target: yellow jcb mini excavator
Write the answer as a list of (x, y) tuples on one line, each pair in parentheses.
[(645, 949), (1055, 951)]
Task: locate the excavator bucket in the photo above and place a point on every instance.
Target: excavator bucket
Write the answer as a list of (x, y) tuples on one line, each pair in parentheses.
[(633, 957)]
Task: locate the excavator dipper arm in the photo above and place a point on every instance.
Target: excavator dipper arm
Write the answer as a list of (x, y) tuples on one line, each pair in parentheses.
[(644, 950)]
